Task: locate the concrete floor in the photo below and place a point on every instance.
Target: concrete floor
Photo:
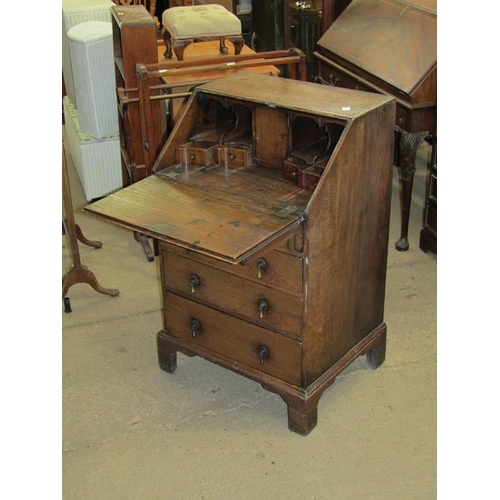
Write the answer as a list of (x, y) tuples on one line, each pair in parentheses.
[(133, 432)]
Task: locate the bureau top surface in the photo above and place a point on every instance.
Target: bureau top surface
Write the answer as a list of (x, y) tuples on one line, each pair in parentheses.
[(392, 40), (307, 97)]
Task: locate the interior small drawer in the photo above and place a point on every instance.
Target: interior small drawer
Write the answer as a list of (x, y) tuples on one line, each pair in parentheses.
[(196, 153), (196, 325), (233, 155), (235, 294)]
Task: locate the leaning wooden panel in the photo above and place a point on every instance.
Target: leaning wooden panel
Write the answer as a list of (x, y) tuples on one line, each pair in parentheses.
[(261, 175)]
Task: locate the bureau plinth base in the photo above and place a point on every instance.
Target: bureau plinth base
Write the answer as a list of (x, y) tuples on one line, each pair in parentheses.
[(167, 354), (302, 403)]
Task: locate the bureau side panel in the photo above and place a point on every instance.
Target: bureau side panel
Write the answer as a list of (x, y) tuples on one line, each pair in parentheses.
[(346, 243)]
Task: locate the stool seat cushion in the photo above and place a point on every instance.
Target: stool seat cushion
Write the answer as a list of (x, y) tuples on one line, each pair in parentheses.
[(200, 21)]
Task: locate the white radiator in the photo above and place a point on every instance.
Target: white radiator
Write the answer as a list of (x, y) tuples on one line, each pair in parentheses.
[(97, 160), (75, 12)]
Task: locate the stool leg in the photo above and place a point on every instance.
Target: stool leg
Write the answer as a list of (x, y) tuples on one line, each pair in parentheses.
[(238, 41), (222, 45), (167, 38), (179, 46)]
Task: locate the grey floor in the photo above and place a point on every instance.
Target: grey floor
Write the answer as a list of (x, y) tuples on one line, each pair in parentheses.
[(132, 431)]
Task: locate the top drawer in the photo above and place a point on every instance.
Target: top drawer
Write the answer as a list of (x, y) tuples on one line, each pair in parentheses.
[(337, 78), (277, 269)]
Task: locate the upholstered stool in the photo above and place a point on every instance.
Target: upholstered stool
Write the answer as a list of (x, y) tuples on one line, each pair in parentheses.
[(183, 25)]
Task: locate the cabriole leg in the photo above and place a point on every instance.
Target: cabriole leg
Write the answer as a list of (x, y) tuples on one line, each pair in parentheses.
[(408, 145)]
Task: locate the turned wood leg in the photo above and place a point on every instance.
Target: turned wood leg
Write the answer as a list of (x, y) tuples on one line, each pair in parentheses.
[(167, 353), (408, 145), (180, 46), (222, 45), (167, 38), (375, 356), (238, 42)]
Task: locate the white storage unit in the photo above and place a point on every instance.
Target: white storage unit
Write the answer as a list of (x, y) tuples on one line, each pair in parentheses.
[(75, 12), (92, 60)]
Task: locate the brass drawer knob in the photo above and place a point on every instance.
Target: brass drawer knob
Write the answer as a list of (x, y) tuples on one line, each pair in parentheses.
[(195, 327), (263, 306), (194, 281), (261, 266), (263, 352)]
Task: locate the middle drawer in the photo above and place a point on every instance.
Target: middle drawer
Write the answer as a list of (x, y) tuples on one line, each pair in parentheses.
[(231, 293)]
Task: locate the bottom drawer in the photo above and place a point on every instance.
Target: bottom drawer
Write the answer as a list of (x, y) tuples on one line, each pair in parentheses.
[(231, 338)]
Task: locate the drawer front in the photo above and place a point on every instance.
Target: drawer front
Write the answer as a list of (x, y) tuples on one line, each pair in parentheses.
[(333, 76), (233, 339), (196, 153), (234, 156), (430, 217), (277, 269), (433, 187), (253, 301)]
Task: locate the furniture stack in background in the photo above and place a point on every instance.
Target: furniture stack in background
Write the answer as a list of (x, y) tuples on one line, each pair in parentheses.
[(90, 112)]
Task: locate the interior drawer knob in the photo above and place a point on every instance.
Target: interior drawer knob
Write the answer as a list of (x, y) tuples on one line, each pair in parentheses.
[(194, 281), (261, 266), (263, 353), (263, 306), (195, 327)]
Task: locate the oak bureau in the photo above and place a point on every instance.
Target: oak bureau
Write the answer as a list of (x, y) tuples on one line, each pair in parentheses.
[(270, 201)]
